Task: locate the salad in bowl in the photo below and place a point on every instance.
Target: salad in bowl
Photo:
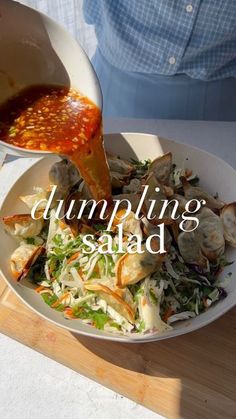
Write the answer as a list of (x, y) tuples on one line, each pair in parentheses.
[(139, 273)]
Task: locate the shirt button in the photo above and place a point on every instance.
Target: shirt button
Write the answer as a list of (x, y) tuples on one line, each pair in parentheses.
[(172, 60), (189, 8)]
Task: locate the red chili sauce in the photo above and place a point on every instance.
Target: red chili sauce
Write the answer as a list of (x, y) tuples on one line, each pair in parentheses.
[(61, 120)]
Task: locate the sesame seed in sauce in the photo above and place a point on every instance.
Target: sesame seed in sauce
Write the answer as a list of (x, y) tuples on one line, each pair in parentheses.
[(55, 119)]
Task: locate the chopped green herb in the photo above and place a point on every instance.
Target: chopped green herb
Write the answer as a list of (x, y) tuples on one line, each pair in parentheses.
[(57, 239), (30, 240), (223, 262), (51, 299), (98, 317), (141, 166), (153, 297), (141, 326)]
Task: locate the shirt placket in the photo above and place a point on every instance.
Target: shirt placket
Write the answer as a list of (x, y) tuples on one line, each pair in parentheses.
[(187, 15)]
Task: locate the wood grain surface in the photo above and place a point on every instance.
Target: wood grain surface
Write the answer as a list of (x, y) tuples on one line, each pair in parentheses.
[(191, 376)]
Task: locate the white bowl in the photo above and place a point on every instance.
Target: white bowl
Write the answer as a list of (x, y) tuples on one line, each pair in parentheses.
[(35, 50), (215, 176)]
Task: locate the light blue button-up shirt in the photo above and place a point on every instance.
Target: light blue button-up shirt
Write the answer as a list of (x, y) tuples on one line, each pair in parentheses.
[(167, 37)]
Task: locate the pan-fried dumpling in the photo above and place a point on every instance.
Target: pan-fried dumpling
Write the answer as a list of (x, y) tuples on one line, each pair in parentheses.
[(23, 258), (161, 168), (228, 217), (133, 198), (134, 186), (64, 174), (129, 223), (121, 166), (210, 234), (40, 195), (190, 250), (23, 225), (195, 192), (131, 268)]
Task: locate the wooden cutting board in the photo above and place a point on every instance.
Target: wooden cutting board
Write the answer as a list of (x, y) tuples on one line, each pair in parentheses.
[(191, 376)]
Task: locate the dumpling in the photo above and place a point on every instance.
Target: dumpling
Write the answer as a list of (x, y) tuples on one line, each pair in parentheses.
[(23, 225), (195, 192), (64, 174), (228, 217), (131, 268), (121, 166), (161, 168), (23, 258), (210, 234), (129, 223), (190, 250), (39, 195)]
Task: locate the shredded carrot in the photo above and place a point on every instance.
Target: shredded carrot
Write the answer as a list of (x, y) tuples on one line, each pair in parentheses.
[(62, 225), (69, 312), (73, 257), (40, 288), (59, 301), (167, 314), (119, 217)]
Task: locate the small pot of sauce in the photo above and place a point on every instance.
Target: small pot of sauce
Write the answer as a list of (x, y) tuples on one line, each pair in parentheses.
[(59, 120), (50, 97)]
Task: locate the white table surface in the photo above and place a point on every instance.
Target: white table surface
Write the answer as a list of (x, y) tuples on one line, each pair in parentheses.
[(33, 386)]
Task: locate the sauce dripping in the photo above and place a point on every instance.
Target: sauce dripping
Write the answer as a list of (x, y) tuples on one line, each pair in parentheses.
[(63, 121)]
